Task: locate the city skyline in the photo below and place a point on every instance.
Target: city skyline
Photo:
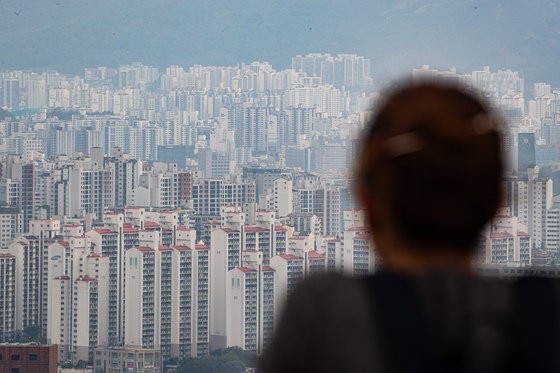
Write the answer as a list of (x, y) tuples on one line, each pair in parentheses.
[(174, 210), (171, 170)]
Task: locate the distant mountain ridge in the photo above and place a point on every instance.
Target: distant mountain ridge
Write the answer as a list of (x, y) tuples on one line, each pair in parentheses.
[(68, 35)]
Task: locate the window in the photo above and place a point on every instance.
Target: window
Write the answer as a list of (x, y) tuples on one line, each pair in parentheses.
[(15, 370), (15, 356), (33, 357)]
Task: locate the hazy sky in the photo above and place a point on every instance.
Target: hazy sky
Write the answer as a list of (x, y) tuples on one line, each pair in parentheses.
[(68, 35)]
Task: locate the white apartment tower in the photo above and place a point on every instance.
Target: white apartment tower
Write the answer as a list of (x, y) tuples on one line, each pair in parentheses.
[(142, 316), (226, 249), (7, 296), (202, 300), (289, 271), (282, 197), (59, 316), (529, 198), (167, 299), (331, 247), (28, 281), (250, 304), (77, 310), (126, 173), (11, 224), (505, 240), (88, 322), (110, 244), (315, 263), (359, 258)]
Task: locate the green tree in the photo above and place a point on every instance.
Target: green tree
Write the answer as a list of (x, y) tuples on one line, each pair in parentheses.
[(229, 360), (4, 114), (32, 333), (81, 364), (62, 114)]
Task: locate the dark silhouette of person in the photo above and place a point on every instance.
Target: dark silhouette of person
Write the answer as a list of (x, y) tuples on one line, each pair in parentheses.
[(428, 176)]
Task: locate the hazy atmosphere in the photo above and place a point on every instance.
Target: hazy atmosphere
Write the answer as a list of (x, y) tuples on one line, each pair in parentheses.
[(397, 35), (173, 173)]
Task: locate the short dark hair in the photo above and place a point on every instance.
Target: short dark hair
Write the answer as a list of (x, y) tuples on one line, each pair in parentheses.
[(432, 155)]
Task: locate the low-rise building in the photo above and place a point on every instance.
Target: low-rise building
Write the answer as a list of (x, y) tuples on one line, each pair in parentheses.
[(127, 359), (28, 358)]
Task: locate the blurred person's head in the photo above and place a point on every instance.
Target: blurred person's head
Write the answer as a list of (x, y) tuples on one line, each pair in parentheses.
[(429, 175)]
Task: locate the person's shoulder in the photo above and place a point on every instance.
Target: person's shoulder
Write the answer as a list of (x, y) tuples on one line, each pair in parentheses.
[(329, 289), (327, 284), (333, 279), (324, 327)]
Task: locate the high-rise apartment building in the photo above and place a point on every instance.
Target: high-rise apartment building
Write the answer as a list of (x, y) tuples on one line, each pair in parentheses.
[(142, 316), (110, 244), (280, 198), (214, 165), (250, 304), (18, 186), (321, 202), (9, 93), (137, 75), (289, 271), (126, 172), (11, 225), (77, 311), (298, 121), (167, 300), (226, 249), (36, 93), (344, 70), (324, 99), (7, 296), (315, 263), (529, 198), (330, 155), (331, 248), (229, 242), (249, 123), (138, 275), (27, 252), (358, 256), (526, 152), (552, 235), (210, 195), (89, 319), (59, 316)]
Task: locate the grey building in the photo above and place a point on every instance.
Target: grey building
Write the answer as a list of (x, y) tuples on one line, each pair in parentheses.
[(526, 151), (127, 359), (11, 224)]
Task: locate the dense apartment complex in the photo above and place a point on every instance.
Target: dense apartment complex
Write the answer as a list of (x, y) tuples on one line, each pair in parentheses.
[(148, 215)]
